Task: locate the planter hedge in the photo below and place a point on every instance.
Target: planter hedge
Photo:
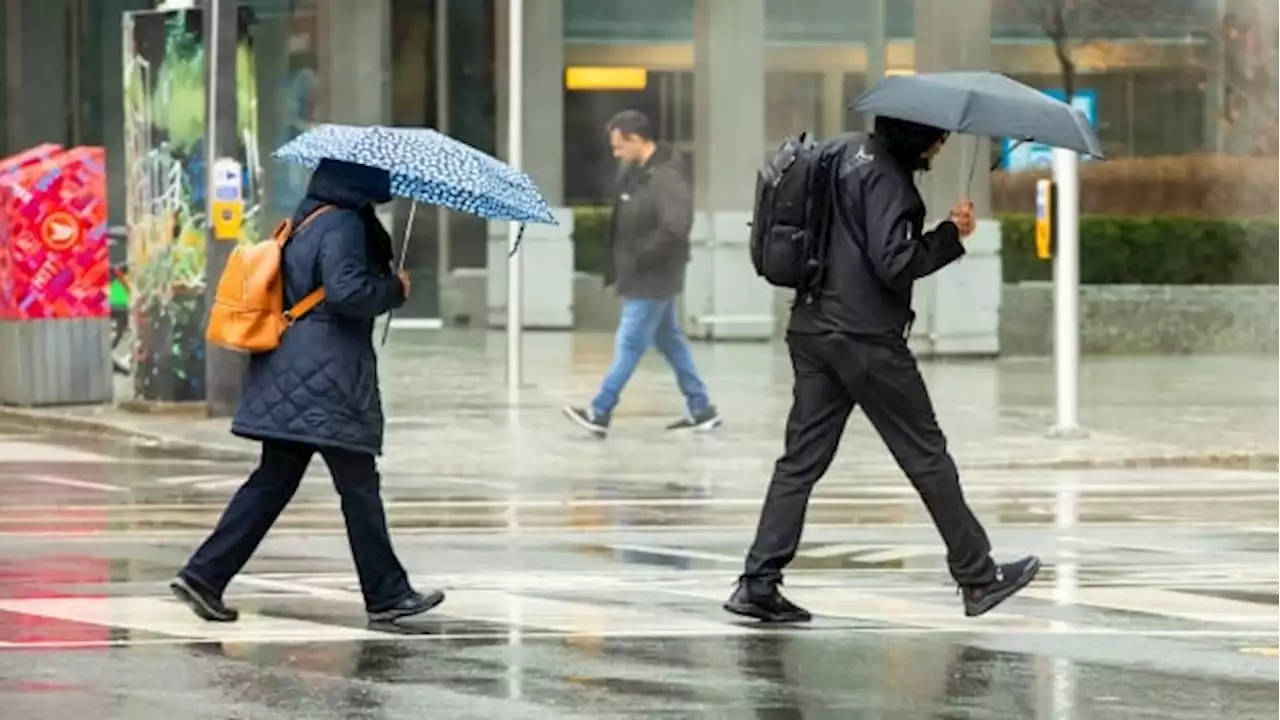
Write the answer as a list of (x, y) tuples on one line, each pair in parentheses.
[(1160, 250)]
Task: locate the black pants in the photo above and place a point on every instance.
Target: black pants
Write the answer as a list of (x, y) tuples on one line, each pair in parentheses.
[(834, 373), (257, 504)]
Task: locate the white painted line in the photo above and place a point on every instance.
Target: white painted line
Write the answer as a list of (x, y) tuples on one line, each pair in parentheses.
[(588, 503), (1144, 547), (677, 553), (899, 554), (193, 479), (854, 605), (45, 452), (66, 482), (1168, 603), (872, 553), (169, 617), (518, 610), (828, 551), (808, 631), (400, 323)]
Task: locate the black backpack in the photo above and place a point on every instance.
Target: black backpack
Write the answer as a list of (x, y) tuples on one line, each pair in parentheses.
[(788, 224)]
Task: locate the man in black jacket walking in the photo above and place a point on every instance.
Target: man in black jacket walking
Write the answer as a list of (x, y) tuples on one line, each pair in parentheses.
[(849, 348), (648, 251)]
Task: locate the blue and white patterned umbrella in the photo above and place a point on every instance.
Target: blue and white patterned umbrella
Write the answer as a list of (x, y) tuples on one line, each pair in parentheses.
[(428, 167)]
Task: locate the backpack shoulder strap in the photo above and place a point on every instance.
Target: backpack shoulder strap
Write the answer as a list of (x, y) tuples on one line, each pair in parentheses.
[(285, 230), (315, 297)]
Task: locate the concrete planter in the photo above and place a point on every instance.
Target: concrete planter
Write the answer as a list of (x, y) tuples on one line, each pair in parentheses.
[(55, 362)]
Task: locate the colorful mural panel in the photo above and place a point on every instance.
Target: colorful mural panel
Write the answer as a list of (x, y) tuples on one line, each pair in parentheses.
[(164, 87)]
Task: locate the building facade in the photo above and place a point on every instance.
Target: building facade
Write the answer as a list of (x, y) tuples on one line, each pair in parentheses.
[(724, 79)]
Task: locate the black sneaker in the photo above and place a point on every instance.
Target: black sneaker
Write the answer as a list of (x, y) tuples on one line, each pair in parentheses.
[(1010, 578), (205, 604), (708, 419), (414, 604), (587, 419), (761, 599)]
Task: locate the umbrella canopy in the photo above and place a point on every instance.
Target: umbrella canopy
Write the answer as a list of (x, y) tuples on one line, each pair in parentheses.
[(427, 167), (982, 103)]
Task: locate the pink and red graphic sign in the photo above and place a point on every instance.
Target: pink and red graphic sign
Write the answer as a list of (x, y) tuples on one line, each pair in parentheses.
[(54, 259)]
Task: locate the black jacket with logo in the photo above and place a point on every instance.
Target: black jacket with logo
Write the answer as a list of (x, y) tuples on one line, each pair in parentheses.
[(649, 228), (876, 249)]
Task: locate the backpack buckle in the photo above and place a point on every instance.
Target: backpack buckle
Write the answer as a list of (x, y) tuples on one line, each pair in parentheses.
[(289, 318)]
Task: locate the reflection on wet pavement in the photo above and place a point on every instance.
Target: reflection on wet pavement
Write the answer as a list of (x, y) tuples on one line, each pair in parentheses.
[(578, 598)]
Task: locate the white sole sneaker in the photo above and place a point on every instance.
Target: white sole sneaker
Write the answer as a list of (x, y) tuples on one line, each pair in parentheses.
[(578, 419)]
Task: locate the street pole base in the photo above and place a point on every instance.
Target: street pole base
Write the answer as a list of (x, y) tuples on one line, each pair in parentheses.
[(1067, 432)]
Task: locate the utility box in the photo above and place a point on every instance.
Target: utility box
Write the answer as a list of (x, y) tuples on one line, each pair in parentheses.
[(54, 272)]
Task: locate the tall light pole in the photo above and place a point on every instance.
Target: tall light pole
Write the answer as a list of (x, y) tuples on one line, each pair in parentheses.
[(515, 132), (1066, 293)]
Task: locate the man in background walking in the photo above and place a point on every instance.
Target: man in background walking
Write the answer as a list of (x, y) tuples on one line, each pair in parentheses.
[(648, 251)]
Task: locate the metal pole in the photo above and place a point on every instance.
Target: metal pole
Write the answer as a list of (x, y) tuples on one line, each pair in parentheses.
[(1066, 292), (223, 369), (443, 251), (515, 129)]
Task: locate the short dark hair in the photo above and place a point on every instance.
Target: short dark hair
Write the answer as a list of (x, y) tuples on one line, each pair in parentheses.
[(631, 122)]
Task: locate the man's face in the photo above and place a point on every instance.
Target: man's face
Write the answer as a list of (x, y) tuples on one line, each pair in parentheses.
[(627, 148)]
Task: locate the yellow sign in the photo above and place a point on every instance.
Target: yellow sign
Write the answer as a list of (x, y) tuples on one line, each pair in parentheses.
[(606, 78), (228, 219), (1044, 219)]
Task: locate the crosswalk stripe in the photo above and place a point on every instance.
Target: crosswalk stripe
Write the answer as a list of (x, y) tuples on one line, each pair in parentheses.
[(1168, 603), (168, 617), (853, 605), (514, 609)]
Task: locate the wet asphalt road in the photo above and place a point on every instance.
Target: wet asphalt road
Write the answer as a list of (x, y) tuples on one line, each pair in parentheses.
[(574, 597)]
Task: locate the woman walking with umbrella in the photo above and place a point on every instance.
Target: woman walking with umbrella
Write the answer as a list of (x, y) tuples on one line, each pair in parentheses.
[(318, 393)]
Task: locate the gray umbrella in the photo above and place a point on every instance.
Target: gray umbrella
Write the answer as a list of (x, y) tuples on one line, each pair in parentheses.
[(982, 103)]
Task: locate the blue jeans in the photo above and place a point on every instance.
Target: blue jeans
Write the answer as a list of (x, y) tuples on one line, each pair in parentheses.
[(649, 322)]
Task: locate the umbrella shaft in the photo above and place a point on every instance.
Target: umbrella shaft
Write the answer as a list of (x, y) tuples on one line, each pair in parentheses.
[(408, 228)]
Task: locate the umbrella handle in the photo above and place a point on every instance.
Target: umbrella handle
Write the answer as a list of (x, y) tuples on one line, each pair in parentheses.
[(519, 238)]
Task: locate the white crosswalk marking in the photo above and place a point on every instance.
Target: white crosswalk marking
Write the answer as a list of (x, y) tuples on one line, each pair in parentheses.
[(169, 617), (1168, 603)]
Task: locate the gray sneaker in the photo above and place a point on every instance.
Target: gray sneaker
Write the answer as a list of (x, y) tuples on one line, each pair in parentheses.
[(708, 419), (586, 419)]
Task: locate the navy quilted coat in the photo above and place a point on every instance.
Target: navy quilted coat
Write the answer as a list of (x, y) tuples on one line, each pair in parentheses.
[(321, 386)]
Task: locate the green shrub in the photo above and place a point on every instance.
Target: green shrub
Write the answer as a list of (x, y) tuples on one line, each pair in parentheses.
[(590, 238), (1161, 250)]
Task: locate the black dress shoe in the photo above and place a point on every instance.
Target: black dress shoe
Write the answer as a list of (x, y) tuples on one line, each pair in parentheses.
[(761, 599), (415, 604), (203, 602), (1010, 578)]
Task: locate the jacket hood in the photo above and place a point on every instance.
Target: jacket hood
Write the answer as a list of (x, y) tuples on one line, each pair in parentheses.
[(349, 185), (906, 141), (353, 187)]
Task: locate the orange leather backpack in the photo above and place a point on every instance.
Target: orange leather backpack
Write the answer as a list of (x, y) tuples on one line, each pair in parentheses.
[(248, 309)]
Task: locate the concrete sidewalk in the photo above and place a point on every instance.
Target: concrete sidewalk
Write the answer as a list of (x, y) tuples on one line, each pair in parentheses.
[(448, 413)]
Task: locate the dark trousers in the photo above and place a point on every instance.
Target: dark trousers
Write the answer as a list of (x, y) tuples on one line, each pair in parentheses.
[(833, 374), (257, 504)]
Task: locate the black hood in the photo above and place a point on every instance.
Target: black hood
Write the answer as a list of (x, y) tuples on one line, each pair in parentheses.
[(349, 185), (906, 141), (353, 187)]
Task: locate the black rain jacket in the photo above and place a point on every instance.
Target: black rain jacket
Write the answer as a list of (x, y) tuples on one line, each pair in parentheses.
[(877, 248)]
